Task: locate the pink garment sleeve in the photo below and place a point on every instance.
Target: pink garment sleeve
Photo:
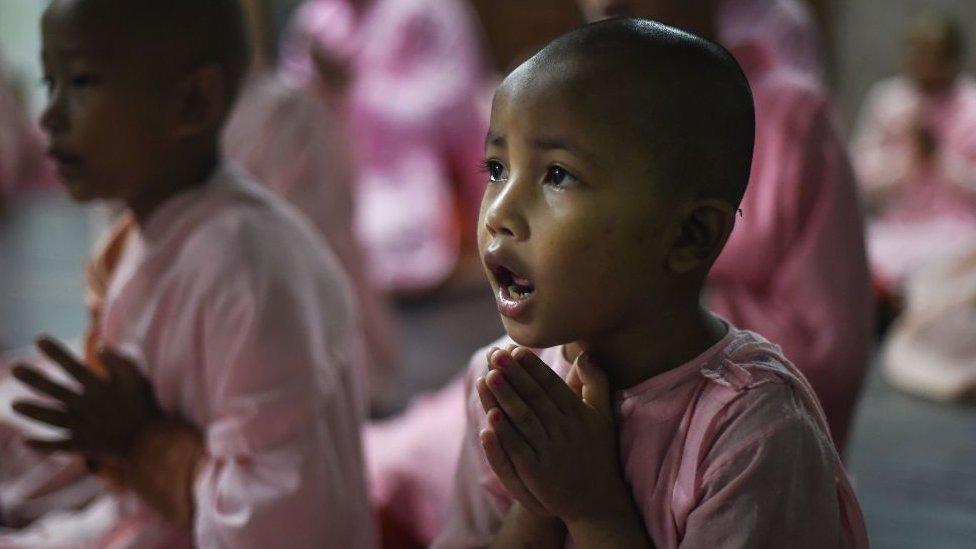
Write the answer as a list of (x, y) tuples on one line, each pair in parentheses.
[(767, 480), (476, 513), (809, 292), (281, 469)]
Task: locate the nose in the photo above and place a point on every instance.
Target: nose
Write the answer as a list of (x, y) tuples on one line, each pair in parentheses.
[(54, 117), (504, 213)]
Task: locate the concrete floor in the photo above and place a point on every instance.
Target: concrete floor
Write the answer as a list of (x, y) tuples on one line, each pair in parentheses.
[(914, 462)]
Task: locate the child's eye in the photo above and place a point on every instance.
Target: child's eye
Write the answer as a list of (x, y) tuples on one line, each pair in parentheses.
[(82, 80), (495, 170), (558, 176)]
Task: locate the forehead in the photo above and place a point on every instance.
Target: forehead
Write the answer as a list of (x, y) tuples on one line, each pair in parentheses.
[(570, 97), (96, 32)]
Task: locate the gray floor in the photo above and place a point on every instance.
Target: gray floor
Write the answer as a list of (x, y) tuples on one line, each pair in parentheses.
[(914, 462)]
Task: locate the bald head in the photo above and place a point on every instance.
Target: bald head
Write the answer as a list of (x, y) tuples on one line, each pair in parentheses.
[(168, 36), (678, 99)]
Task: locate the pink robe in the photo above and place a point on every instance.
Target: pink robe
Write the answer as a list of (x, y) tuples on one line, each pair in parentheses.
[(728, 450), (929, 212), (417, 121), (794, 269), (23, 163), (243, 323), (784, 27), (290, 139)]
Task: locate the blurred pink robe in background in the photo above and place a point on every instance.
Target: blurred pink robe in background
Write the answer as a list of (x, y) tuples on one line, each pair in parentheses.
[(928, 212), (241, 319), (294, 143), (794, 269), (418, 125), (787, 29)]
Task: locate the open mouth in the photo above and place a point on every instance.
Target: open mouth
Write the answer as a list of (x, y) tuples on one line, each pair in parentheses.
[(511, 285)]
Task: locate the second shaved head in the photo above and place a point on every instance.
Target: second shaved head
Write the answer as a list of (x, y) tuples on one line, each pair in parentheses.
[(164, 37)]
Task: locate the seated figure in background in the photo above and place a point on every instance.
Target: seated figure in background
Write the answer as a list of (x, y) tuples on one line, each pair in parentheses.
[(283, 133), (409, 77), (914, 150)]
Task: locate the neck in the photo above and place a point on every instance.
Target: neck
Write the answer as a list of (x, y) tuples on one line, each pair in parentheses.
[(179, 177), (640, 352)]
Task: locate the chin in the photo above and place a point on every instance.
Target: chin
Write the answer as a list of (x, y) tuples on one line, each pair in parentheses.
[(529, 336)]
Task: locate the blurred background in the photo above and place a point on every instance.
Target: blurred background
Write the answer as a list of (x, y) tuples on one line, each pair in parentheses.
[(912, 452)]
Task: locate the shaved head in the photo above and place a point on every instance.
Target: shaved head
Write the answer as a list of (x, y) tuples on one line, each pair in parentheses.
[(682, 100), (169, 36)]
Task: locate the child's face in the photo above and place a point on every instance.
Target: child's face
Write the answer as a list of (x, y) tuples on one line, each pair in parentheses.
[(571, 231), (104, 115)]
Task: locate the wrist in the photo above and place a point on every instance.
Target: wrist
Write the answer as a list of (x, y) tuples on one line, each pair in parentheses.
[(162, 465), (618, 524)]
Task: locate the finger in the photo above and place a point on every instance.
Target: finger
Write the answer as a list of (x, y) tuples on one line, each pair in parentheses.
[(505, 471), (56, 352), (48, 446), (519, 414), (523, 456), (119, 368), (50, 416), (484, 393), (535, 371), (596, 386), (43, 384), (525, 386), (574, 382)]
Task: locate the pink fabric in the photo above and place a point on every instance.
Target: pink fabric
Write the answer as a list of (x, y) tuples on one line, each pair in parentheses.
[(293, 142), (728, 450), (785, 27), (244, 326), (929, 212), (410, 460), (794, 269), (23, 163), (417, 121)]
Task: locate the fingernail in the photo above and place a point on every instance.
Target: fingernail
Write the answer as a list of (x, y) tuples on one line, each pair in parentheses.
[(494, 416), (497, 380)]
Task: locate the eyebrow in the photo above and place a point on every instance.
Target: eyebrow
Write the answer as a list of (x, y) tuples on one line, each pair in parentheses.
[(544, 144)]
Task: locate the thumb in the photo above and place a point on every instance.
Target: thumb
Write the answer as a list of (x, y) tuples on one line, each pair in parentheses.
[(596, 387), (118, 367)]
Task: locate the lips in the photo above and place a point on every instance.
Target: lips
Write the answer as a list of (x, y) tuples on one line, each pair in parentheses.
[(68, 163), (515, 290)]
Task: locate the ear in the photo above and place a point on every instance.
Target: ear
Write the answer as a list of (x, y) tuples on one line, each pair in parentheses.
[(705, 227), (202, 102)]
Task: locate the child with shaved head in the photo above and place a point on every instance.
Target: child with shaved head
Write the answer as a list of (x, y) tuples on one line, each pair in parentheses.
[(616, 159), (218, 396)]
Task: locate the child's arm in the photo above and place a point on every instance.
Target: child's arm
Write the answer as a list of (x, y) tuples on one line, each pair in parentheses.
[(556, 452)]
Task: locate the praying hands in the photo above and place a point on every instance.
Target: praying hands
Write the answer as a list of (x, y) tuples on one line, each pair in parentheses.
[(553, 446)]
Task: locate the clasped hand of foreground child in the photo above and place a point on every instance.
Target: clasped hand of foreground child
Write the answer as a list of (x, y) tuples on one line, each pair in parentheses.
[(553, 445), (115, 423)]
